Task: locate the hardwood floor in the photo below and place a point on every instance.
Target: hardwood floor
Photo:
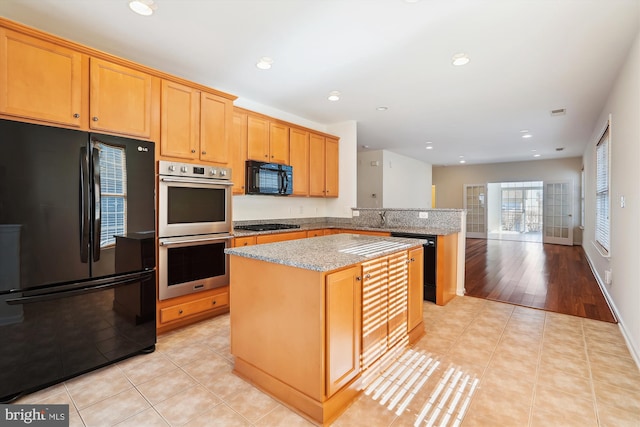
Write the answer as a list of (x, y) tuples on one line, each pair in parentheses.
[(549, 277)]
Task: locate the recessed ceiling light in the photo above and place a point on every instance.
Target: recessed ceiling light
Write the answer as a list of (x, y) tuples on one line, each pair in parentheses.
[(264, 63), (527, 135), (536, 155), (463, 161), (142, 7), (429, 147), (533, 151), (411, 1), (460, 59), (365, 146), (382, 108), (524, 131), (334, 95)]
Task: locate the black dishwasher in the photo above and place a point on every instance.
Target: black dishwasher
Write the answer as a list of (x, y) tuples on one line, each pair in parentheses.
[(430, 251)]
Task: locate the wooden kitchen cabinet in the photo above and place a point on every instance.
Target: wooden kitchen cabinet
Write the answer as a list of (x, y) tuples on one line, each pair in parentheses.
[(122, 100), (216, 121), (278, 143), (384, 305), (180, 121), (195, 125), (257, 138), (316, 233), (267, 141), (41, 80), (280, 237), (446, 268), (332, 156), (299, 160), (238, 151), (244, 241), (343, 309), (415, 295), (323, 166), (187, 309), (317, 167)]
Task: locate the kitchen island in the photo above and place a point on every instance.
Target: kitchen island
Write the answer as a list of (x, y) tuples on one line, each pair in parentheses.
[(311, 318)]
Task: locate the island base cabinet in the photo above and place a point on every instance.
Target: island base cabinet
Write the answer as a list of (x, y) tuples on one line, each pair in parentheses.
[(296, 334)]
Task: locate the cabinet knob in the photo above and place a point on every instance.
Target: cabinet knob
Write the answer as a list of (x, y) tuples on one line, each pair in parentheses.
[(76, 116), (413, 259), (214, 302), (266, 155), (367, 276), (204, 152), (94, 118), (180, 311), (358, 278), (193, 151)]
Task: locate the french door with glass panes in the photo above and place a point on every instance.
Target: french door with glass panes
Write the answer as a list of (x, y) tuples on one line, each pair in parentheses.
[(558, 212), (475, 196)]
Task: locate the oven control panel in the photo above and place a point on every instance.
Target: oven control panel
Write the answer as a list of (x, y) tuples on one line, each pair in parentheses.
[(193, 171)]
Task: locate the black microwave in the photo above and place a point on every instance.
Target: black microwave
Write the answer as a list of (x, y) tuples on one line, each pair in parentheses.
[(268, 178)]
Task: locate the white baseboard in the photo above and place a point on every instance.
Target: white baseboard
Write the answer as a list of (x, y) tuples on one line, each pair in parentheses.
[(616, 314)]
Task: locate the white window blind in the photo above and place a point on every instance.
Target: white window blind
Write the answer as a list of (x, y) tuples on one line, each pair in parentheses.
[(113, 191), (602, 191)]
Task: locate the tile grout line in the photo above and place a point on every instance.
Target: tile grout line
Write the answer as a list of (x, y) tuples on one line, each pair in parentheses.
[(592, 383)]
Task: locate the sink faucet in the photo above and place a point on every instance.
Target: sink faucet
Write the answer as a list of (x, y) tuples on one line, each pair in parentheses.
[(383, 218)]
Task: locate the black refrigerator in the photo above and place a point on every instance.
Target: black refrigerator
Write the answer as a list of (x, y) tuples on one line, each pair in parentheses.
[(77, 253)]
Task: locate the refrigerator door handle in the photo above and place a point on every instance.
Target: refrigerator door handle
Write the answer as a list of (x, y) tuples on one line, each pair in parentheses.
[(78, 291), (84, 205), (97, 203)]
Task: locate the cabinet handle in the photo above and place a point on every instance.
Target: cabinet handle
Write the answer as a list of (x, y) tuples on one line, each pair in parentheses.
[(94, 118), (180, 311), (76, 116), (193, 151)]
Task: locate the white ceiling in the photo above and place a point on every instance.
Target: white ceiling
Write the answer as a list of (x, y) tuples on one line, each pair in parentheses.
[(528, 57)]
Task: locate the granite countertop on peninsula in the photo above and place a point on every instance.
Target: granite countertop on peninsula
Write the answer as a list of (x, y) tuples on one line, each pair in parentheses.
[(326, 253), (436, 231)]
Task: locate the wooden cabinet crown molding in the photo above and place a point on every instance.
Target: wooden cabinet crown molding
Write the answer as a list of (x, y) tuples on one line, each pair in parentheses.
[(24, 29)]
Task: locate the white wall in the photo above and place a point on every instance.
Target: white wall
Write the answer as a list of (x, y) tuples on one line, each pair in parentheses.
[(396, 181), (406, 182), (370, 177), (623, 104), (254, 207), (449, 180)]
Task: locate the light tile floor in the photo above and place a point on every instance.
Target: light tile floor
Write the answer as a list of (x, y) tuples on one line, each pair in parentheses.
[(535, 368)]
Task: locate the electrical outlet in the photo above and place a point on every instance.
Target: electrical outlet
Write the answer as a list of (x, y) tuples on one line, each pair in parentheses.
[(423, 215), (607, 277), (355, 213)]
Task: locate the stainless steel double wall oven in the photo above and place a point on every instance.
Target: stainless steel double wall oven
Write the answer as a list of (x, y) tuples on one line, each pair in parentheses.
[(194, 228)]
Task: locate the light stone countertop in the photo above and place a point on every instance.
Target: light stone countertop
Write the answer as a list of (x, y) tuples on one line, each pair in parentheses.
[(326, 253)]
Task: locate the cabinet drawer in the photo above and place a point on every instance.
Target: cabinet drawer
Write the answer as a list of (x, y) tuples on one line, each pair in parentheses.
[(280, 237), (244, 241), (315, 233), (181, 311)]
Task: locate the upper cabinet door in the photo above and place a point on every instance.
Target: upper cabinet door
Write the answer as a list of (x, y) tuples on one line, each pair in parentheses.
[(180, 121), (316, 165), (40, 80), (257, 139), (239, 152), (299, 160), (216, 115), (278, 143), (332, 155), (120, 99)]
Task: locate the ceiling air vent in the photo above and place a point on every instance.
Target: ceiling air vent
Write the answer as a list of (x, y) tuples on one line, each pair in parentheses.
[(559, 148), (559, 112)]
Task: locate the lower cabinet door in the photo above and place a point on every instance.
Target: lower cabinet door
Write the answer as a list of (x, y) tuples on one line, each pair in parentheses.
[(343, 327)]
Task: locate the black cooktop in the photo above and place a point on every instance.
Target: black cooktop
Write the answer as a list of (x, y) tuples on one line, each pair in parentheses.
[(265, 227)]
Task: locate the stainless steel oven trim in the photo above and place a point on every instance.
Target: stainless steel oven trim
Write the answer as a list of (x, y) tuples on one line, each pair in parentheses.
[(165, 291), (172, 230)]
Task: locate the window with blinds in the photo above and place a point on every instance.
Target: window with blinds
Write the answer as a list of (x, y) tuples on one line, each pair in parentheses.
[(113, 192), (602, 191)]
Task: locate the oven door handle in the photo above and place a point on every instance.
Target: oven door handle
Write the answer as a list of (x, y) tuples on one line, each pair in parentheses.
[(164, 242), (195, 181)]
